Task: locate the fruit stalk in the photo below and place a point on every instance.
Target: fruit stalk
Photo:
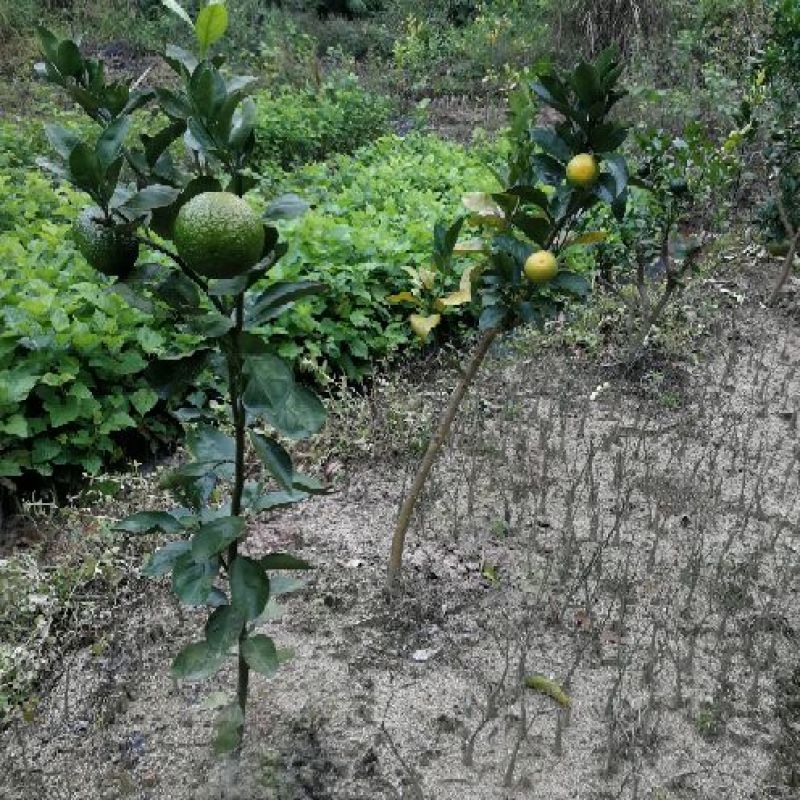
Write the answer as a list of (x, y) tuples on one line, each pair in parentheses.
[(434, 446)]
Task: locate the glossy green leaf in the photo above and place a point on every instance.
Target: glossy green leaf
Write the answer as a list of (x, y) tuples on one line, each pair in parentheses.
[(223, 628), (272, 302), (215, 537), (586, 83), (249, 586), (109, 145), (275, 500), (163, 560), (85, 168), (197, 661), (274, 458), (192, 581), (48, 43), (210, 25), (261, 655), (284, 561), (308, 483), (149, 521), (62, 140), (209, 445), (572, 283), (145, 200), (271, 392), (68, 59), (552, 143), (207, 91)]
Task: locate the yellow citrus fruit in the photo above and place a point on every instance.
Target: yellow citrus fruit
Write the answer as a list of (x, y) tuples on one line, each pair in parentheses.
[(218, 235), (583, 170), (541, 266)]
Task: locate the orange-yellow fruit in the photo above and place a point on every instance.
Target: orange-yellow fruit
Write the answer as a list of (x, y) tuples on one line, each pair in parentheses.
[(583, 170), (541, 266)]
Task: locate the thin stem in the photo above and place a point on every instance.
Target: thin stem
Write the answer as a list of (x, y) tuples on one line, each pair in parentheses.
[(239, 421), (235, 372), (434, 446), (794, 238), (185, 268)]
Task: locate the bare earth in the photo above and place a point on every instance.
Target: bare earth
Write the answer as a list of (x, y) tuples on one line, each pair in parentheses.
[(638, 543)]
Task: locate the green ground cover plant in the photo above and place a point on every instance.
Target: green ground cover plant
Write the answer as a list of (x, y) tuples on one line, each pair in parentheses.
[(370, 226), (297, 126), (72, 350)]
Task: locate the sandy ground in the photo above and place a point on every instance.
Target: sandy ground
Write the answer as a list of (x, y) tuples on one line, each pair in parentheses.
[(636, 542)]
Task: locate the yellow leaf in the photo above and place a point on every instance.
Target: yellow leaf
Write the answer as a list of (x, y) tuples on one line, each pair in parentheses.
[(402, 297), (594, 237), (464, 293), (549, 687), (482, 206), (455, 298), (471, 246), (465, 284), (422, 325), (427, 277)]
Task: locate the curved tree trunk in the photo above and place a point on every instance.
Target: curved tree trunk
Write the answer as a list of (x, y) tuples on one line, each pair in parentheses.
[(434, 446)]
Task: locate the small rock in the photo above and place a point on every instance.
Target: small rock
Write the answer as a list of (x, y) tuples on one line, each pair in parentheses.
[(421, 656)]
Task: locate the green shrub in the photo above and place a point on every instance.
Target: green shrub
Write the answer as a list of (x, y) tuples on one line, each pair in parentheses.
[(296, 127), (371, 221), (72, 348), (781, 70)]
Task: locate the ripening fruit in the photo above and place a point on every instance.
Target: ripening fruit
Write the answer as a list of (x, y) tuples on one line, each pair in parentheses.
[(541, 266), (218, 235), (583, 170), (110, 249)]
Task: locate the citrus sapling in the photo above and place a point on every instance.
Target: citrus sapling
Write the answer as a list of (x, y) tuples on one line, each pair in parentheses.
[(215, 278), (551, 180)]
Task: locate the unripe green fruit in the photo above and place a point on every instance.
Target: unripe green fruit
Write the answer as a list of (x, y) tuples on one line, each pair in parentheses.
[(110, 249), (218, 235)]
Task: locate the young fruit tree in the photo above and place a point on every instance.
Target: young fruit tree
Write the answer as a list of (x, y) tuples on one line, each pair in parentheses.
[(177, 196), (554, 175)]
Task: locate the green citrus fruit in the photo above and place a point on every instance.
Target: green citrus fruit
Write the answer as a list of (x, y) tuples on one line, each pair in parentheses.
[(110, 249), (218, 235), (541, 266), (583, 170)]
